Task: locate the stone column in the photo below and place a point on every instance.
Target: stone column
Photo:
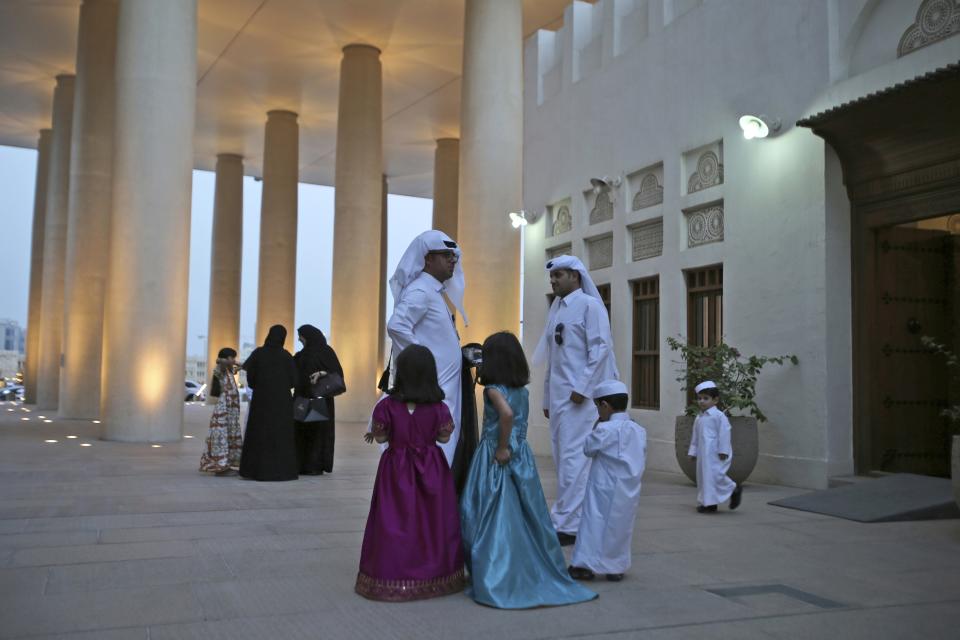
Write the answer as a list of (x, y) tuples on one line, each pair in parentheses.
[(36, 267), (225, 259), (145, 330), (491, 154), (88, 226), (55, 246), (277, 280), (382, 304), (356, 240), (446, 175)]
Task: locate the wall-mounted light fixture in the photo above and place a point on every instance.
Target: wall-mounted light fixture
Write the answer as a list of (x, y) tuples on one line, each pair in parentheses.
[(518, 219), (758, 126), (606, 183)]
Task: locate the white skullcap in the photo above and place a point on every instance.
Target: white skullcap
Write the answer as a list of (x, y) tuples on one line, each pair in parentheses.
[(707, 384), (586, 284), (609, 388), (411, 266)]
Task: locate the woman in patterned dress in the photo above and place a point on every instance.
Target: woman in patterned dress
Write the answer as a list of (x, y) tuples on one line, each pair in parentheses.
[(224, 442)]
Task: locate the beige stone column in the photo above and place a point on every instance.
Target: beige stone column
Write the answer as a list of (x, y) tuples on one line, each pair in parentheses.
[(357, 218), (226, 256), (277, 279), (55, 246), (36, 267), (88, 226), (446, 176), (382, 304), (491, 149), (145, 330)]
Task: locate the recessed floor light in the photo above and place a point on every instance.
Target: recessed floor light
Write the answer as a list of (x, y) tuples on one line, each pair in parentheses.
[(72, 437), (25, 419), (86, 444), (188, 437), (156, 446), (48, 420), (51, 441)]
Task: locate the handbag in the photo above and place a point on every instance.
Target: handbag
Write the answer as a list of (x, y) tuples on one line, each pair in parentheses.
[(309, 409), (329, 386)]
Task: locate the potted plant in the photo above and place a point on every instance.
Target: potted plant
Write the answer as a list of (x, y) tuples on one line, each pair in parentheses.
[(952, 412), (736, 377)]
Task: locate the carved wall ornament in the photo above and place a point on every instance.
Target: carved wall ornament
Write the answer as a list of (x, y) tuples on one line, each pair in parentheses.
[(561, 250), (600, 251), (936, 20), (650, 193), (562, 220), (647, 239), (705, 226), (602, 207), (709, 173)]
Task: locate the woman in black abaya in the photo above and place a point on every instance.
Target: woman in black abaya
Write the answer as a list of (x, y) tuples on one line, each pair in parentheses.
[(269, 452), (315, 439)]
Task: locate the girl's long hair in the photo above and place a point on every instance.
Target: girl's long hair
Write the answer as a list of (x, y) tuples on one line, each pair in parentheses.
[(416, 379), (504, 361)]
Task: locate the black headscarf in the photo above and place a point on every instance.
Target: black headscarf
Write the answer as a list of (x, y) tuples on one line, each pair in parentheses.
[(276, 336), (313, 338), (316, 355)]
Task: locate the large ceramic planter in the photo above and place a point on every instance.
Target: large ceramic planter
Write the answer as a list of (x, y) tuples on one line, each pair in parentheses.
[(955, 468), (746, 448)]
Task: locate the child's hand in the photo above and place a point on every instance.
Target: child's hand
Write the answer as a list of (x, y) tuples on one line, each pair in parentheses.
[(368, 437), (502, 455), (724, 456)]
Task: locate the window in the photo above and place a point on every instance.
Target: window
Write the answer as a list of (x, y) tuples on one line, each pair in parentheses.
[(705, 306), (604, 290), (646, 343)]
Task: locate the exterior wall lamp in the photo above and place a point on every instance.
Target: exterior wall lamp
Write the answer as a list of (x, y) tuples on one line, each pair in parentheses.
[(758, 126)]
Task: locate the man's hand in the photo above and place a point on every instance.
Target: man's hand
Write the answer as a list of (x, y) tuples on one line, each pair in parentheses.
[(723, 456), (576, 398), (546, 413)]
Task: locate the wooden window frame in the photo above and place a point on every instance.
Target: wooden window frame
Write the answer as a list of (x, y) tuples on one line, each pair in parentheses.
[(645, 394)]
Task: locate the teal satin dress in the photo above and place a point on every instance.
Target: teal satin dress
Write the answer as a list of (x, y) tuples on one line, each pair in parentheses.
[(512, 552)]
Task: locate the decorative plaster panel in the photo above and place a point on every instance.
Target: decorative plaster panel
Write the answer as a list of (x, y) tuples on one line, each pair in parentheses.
[(560, 250), (647, 187), (936, 20), (647, 239), (704, 225), (600, 252), (602, 208), (561, 219)]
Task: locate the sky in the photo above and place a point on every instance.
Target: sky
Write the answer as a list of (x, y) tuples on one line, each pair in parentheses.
[(407, 217)]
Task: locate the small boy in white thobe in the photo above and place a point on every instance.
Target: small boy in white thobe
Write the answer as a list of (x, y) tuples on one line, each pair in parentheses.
[(618, 447), (711, 449)]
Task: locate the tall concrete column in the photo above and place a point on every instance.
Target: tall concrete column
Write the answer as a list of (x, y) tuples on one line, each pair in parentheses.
[(225, 259), (491, 164), (446, 176), (145, 330), (36, 267), (277, 288), (88, 226), (55, 246), (356, 240)]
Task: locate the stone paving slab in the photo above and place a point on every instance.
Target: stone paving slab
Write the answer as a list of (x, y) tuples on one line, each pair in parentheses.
[(122, 541)]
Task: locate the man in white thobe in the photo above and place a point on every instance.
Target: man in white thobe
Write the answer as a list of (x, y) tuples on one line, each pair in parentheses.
[(429, 274), (712, 450), (618, 449), (577, 348)]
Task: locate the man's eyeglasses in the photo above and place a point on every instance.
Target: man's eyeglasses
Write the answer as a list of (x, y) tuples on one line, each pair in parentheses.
[(558, 334), (449, 255)]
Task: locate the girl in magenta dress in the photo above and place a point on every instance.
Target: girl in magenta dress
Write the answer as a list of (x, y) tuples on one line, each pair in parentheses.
[(411, 546)]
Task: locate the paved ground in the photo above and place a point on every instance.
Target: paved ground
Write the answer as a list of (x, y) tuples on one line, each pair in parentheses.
[(119, 541)]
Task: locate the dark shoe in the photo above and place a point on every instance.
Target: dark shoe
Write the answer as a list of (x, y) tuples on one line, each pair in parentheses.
[(701, 508), (736, 497), (711, 509), (566, 539), (614, 577), (580, 573)]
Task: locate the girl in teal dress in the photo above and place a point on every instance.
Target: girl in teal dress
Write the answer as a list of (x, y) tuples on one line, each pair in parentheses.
[(512, 551)]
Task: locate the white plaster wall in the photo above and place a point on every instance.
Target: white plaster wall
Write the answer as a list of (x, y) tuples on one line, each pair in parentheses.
[(786, 249)]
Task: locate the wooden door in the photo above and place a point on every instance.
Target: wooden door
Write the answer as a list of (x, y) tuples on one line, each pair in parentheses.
[(914, 295)]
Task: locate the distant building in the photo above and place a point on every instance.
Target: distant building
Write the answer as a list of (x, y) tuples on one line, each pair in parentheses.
[(12, 336), (196, 369)]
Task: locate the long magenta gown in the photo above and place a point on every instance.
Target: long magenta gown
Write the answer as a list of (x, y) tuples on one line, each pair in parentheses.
[(412, 547)]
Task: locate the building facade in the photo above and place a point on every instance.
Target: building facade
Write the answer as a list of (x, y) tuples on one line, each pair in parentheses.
[(697, 233)]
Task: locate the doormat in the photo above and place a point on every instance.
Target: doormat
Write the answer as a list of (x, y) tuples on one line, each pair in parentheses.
[(894, 498)]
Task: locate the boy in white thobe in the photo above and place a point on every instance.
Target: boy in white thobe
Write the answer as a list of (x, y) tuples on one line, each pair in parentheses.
[(711, 449), (618, 447), (577, 348)]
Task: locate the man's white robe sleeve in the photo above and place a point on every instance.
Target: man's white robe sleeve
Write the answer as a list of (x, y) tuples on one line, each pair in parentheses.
[(597, 331), (408, 311)]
